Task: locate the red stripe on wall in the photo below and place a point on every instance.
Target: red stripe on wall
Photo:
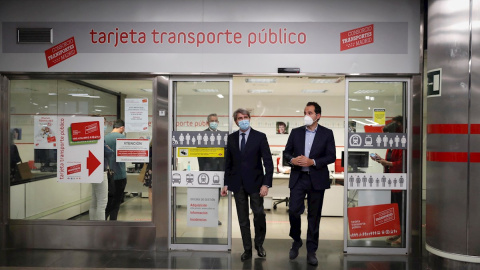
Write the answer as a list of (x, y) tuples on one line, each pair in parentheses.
[(453, 157), (447, 156), (475, 129), (447, 129)]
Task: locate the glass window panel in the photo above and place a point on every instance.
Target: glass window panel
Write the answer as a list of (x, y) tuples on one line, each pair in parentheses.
[(39, 195)]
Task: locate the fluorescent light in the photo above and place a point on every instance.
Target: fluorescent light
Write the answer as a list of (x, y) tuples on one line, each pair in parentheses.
[(356, 109), (297, 111), (260, 80), (147, 90), (360, 122), (220, 96), (94, 96), (367, 97), (52, 94), (78, 95), (314, 91), (373, 122), (206, 90), (354, 99), (368, 91), (37, 104), (372, 98), (100, 106), (260, 91), (97, 110), (326, 80)]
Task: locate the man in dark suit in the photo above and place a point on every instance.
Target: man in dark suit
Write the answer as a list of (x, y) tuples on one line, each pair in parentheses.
[(244, 176), (309, 149), (212, 163)]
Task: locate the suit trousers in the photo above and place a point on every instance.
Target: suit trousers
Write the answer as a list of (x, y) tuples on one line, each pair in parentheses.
[(297, 207), (113, 204), (256, 203)]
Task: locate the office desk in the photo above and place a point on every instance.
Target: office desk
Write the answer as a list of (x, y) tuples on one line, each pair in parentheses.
[(332, 202)]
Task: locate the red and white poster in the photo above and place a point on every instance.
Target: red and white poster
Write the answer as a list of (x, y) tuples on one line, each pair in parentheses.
[(356, 37), (136, 115), (44, 129), (80, 150), (61, 52), (374, 221), (133, 150)]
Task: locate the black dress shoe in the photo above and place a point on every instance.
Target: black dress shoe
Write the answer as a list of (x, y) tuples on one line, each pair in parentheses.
[(312, 258), (247, 254), (261, 251), (294, 250)]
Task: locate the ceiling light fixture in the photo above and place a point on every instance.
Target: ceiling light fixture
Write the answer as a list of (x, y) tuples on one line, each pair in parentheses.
[(356, 109), (147, 90), (260, 91), (206, 90), (314, 91), (326, 80), (368, 91), (220, 96), (52, 94), (260, 80)]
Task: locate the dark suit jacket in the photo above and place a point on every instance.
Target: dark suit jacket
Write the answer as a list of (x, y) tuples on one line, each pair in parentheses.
[(323, 152), (246, 169)]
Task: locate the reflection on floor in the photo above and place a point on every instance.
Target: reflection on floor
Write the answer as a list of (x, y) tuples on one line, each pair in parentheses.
[(330, 253)]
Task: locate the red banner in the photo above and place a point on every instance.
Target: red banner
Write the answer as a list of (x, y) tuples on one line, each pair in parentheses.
[(374, 221), (85, 131), (356, 37), (74, 169), (61, 52)]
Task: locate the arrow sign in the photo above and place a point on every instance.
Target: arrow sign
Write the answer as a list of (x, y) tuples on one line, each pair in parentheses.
[(92, 163)]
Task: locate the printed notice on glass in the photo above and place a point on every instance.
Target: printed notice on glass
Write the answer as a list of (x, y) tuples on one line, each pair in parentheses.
[(136, 115), (202, 210)]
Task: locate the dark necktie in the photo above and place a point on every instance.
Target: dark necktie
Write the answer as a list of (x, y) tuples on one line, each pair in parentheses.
[(242, 143)]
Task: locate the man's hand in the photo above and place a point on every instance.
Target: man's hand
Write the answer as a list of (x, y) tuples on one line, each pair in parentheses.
[(302, 161), (263, 191), (224, 191)]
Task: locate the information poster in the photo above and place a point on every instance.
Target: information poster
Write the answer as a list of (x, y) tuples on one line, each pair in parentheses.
[(379, 116), (80, 150), (374, 221), (44, 129), (202, 207), (133, 150), (136, 115)]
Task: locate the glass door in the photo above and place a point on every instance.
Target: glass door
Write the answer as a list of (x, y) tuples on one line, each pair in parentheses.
[(376, 161), (200, 218)]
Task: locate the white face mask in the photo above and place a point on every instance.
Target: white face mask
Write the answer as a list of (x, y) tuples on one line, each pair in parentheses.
[(307, 120)]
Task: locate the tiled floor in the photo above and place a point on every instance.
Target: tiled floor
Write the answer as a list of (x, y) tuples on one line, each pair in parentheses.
[(330, 253)]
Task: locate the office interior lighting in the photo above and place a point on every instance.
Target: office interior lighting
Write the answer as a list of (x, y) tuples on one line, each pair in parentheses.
[(206, 90), (314, 91), (260, 80), (260, 91)]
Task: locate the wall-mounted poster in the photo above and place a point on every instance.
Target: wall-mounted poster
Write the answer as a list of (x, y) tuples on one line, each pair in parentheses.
[(45, 132), (282, 127)]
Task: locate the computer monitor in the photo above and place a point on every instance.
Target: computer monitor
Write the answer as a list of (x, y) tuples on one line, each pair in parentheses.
[(47, 158), (356, 159)]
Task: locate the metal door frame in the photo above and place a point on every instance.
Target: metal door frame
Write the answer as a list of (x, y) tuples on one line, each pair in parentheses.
[(408, 125), (171, 121)]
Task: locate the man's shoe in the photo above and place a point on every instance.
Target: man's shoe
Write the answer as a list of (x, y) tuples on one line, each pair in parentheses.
[(247, 254), (261, 251), (312, 258), (294, 250)]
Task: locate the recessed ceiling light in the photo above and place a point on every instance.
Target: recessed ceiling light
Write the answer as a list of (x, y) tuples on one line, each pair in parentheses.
[(260, 91), (220, 96), (326, 80), (78, 95), (368, 91), (260, 80), (52, 94), (356, 109), (314, 91), (147, 90), (354, 99), (206, 90)]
